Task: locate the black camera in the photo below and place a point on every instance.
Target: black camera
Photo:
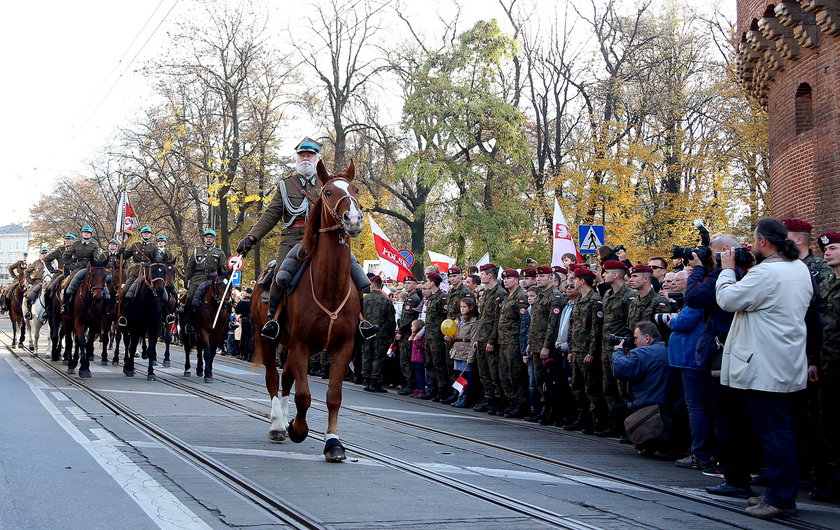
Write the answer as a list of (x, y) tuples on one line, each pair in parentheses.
[(629, 342), (704, 253), (743, 257)]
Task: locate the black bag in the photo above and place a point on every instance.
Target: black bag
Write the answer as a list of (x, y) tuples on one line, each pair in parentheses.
[(649, 424)]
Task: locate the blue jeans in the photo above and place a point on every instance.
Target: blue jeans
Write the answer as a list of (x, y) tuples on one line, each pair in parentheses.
[(769, 414), (696, 384), (533, 395)]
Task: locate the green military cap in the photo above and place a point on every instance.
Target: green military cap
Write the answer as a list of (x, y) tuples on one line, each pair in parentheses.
[(209, 232), (114, 241), (308, 145), (68, 235), (86, 228), (161, 238), (26, 253), (43, 250), (146, 229)]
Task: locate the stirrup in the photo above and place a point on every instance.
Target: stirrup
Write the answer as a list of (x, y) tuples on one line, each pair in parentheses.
[(271, 330), (368, 330), (122, 322)]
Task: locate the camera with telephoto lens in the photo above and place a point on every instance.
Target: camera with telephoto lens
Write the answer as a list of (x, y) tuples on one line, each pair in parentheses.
[(662, 319), (703, 251), (629, 342)]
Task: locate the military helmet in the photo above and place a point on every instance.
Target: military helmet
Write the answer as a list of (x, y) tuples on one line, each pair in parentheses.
[(86, 228), (68, 235), (209, 232), (161, 238)]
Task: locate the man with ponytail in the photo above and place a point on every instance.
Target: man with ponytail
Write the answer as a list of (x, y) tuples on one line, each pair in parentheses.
[(764, 361)]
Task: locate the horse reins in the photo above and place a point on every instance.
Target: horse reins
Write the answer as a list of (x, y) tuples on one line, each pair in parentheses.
[(333, 210)]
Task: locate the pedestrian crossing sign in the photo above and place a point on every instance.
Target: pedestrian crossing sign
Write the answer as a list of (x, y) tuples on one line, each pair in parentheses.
[(590, 238)]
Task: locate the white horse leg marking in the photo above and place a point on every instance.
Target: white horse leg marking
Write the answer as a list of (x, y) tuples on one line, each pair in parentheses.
[(330, 436), (279, 415)]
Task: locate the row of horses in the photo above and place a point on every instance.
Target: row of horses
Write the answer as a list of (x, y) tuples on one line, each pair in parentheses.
[(321, 314)]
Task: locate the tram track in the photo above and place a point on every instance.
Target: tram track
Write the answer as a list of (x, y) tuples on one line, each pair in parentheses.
[(532, 511)]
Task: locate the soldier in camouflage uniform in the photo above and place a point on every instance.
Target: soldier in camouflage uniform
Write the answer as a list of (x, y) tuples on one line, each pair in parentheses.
[(409, 314), (436, 358), (545, 319), (82, 253), (827, 463), (513, 373), (486, 343), (457, 290), (645, 302), (585, 327), (378, 310), (799, 232), (204, 261), (616, 305)]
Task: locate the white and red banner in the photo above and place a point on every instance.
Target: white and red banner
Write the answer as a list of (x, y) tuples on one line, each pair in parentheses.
[(485, 259), (442, 261), (393, 264), (562, 237), (126, 219)]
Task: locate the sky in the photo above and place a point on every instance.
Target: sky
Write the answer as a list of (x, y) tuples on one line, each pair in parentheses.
[(70, 80)]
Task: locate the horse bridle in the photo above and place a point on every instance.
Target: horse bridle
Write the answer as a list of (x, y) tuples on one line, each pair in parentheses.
[(333, 210), (151, 284)]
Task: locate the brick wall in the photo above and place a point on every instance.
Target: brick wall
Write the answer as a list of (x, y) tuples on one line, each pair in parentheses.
[(804, 166)]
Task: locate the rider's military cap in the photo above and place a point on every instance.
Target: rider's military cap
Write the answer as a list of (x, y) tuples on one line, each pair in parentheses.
[(209, 232), (114, 241), (308, 145), (44, 250), (146, 229), (161, 238), (70, 236), (86, 228)]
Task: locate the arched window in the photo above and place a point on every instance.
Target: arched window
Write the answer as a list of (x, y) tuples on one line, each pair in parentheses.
[(804, 109)]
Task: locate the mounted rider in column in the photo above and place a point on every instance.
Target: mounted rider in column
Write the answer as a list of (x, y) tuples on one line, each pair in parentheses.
[(140, 252), (163, 255), (60, 255), (82, 253), (290, 206), (34, 279), (16, 274), (204, 261)]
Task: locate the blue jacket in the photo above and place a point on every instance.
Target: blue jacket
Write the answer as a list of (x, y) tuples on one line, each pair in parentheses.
[(685, 332), (524, 326), (700, 294), (646, 370)]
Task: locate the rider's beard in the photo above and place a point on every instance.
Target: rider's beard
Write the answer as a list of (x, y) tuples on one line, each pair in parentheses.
[(306, 168)]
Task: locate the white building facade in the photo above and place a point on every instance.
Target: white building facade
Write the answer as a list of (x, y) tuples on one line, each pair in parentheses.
[(14, 241)]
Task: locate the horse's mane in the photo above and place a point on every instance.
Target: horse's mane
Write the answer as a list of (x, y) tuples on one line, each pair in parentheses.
[(310, 234)]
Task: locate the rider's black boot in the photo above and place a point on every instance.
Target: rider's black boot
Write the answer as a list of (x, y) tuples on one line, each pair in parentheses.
[(271, 329)]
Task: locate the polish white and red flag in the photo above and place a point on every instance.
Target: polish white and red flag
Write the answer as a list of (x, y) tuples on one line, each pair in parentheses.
[(394, 265), (562, 236), (442, 261), (460, 384), (127, 221)]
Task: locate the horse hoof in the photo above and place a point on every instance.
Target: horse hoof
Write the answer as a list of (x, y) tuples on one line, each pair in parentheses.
[(334, 451), (84, 374), (151, 377), (187, 373), (129, 373), (199, 372), (135, 355), (115, 363), (104, 363), (294, 435), (144, 356), (208, 379), (277, 435), (166, 364), (71, 371)]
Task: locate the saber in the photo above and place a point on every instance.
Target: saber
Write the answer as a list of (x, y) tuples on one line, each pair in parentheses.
[(237, 264)]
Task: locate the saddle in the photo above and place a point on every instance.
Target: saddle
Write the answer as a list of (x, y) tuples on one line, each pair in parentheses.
[(267, 275)]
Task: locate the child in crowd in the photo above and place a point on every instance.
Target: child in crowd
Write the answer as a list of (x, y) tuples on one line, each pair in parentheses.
[(418, 357), (462, 352), (533, 293)]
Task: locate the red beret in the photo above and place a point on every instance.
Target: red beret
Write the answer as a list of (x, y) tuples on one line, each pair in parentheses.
[(558, 268), (641, 267), (455, 270), (614, 264), (828, 238), (435, 277), (584, 272), (409, 278), (487, 267), (544, 269), (573, 266), (530, 273), (510, 273), (797, 225)]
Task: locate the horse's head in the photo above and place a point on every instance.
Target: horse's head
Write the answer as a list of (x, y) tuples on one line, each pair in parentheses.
[(340, 198), (157, 275), (171, 272), (96, 278), (218, 286)]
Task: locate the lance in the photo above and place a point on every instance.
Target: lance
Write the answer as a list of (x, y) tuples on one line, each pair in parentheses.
[(236, 264)]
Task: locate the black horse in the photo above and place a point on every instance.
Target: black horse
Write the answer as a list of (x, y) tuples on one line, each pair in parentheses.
[(143, 314), (210, 330)]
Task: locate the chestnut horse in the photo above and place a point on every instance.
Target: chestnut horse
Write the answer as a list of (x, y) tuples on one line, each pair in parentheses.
[(322, 313), (88, 311), (16, 314)]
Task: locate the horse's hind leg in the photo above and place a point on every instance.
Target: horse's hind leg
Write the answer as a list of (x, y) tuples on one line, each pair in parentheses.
[(297, 364), (333, 450)]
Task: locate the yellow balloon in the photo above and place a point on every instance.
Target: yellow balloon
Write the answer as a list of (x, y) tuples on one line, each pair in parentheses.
[(448, 327)]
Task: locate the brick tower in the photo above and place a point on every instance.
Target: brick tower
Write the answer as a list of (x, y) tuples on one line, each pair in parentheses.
[(789, 60)]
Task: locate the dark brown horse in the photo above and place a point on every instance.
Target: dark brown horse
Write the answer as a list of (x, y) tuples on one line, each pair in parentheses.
[(322, 313), (88, 311), (143, 314), (207, 336), (16, 313)]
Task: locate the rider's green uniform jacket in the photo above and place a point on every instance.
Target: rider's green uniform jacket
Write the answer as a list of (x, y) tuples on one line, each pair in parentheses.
[(203, 262)]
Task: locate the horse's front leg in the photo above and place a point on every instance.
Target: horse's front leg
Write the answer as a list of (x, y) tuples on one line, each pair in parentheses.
[(209, 353), (333, 450), (87, 352), (279, 406), (130, 351), (151, 352), (297, 363), (104, 338)]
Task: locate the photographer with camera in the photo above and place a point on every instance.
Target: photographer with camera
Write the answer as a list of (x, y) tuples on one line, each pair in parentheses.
[(644, 367), (764, 362)]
